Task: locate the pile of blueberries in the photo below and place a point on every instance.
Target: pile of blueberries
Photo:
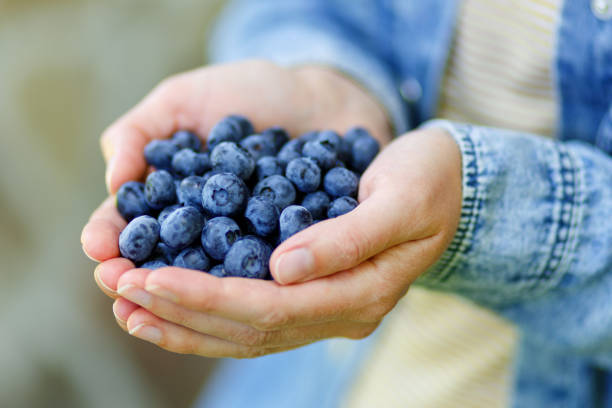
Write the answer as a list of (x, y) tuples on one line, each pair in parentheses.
[(223, 207)]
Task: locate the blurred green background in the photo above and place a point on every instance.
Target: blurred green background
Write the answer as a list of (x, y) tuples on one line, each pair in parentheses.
[(68, 68)]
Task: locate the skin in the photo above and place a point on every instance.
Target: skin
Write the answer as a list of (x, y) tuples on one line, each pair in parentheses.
[(337, 278)]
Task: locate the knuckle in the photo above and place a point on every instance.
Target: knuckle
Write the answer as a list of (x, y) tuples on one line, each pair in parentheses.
[(362, 332), (251, 337), (352, 245), (271, 320), (376, 312), (253, 352)]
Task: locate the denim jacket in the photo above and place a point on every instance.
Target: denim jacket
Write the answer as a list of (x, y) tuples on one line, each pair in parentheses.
[(535, 237)]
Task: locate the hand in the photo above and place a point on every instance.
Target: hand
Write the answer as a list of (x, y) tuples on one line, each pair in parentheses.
[(352, 269), (299, 99)]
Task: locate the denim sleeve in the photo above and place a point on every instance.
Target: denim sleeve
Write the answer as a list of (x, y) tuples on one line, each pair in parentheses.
[(535, 237), (298, 32)]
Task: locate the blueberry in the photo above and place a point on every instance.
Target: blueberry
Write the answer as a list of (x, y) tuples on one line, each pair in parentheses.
[(166, 212), (185, 139), (186, 162), (248, 258), (304, 173), (158, 153), (192, 258), (330, 139), (278, 189), (262, 214), (355, 133), (363, 152), (160, 190), (341, 206), (340, 182), (321, 152), (228, 157), (258, 146), (291, 150), (267, 166), (226, 130), (317, 203), (131, 202), (189, 191), (218, 271), (155, 263), (163, 252), (292, 220), (139, 237), (224, 194), (308, 136), (182, 227), (278, 135), (245, 125), (218, 235)]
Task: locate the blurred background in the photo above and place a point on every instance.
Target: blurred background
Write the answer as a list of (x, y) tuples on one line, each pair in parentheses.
[(68, 68)]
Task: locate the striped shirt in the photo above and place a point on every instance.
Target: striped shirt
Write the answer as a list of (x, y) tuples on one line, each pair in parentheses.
[(434, 349)]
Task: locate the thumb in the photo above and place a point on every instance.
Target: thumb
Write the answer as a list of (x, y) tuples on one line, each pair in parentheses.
[(339, 243)]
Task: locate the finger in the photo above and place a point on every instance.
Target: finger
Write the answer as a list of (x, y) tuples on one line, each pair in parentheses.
[(108, 272), (341, 243), (100, 237), (165, 110), (261, 304), (123, 309), (230, 330), (178, 339)]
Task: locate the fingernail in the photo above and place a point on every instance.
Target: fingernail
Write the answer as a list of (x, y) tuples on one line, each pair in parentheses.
[(148, 333), (110, 167), (115, 312), (162, 293), (136, 295), (99, 279), (294, 265)]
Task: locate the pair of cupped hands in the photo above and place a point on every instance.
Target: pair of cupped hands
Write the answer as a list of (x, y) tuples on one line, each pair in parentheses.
[(337, 278)]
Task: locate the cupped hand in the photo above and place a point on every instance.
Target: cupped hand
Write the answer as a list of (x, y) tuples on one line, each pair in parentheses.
[(337, 278), (298, 99)]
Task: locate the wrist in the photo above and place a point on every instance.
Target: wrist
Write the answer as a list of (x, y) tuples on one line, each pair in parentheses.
[(336, 101)]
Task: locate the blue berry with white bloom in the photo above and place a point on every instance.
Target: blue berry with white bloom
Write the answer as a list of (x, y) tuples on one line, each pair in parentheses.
[(138, 239), (224, 194), (341, 206), (262, 214), (258, 146), (317, 203), (278, 188), (181, 227), (229, 157), (304, 173), (292, 220), (218, 235), (248, 258), (340, 182), (185, 139), (160, 190), (192, 258), (267, 166), (159, 153), (131, 202), (189, 191)]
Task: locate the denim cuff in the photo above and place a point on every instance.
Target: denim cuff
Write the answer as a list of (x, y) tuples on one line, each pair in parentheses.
[(472, 199), (521, 211)]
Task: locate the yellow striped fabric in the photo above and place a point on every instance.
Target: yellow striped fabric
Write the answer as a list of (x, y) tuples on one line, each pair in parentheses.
[(499, 71), (434, 349)]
